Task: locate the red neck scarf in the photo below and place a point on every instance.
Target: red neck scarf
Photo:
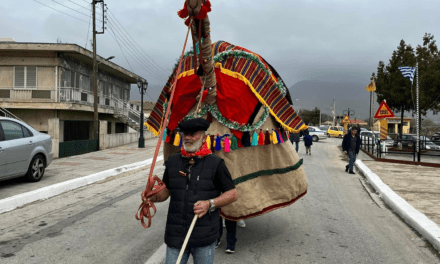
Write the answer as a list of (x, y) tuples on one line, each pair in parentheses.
[(203, 151)]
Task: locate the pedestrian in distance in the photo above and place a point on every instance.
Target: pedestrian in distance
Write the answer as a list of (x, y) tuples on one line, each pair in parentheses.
[(351, 145), (308, 142), (198, 183), (295, 137)]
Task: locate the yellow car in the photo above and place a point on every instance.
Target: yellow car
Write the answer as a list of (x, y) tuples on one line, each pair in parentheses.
[(335, 131)]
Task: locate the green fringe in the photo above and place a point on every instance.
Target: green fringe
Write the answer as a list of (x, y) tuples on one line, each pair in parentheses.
[(268, 172)]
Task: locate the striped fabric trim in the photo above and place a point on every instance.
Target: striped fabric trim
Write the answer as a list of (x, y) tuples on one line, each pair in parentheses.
[(268, 172), (263, 83)]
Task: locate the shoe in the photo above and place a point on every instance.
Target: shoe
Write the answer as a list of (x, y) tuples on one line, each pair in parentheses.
[(230, 249), (241, 223), (310, 153), (346, 168), (218, 243), (224, 223), (351, 172)]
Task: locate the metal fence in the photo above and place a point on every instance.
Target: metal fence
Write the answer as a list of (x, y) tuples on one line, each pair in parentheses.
[(402, 149)]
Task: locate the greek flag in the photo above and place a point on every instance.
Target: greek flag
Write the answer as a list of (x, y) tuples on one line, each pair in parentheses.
[(408, 72)]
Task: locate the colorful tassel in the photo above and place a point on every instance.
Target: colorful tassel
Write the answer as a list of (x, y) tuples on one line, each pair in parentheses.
[(281, 136), (181, 142), (164, 137), (261, 138), (212, 143), (254, 139), (278, 137), (218, 143), (168, 139), (227, 145), (234, 144), (274, 137), (246, 139), (267, 138), (172, 138), (177, 140), (208, 141)]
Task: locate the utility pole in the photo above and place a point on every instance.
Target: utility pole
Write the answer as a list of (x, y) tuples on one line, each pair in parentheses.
[(334, 111), (319, 117), (95, 84)]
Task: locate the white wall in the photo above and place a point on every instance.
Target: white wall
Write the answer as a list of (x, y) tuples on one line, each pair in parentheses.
[(115, 140)]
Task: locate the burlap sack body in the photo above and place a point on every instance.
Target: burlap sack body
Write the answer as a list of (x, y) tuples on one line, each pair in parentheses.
[(275, 172)]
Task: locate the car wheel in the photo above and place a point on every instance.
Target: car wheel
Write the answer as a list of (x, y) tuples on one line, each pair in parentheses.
[(340, 136), (36, 169), (315, 138)]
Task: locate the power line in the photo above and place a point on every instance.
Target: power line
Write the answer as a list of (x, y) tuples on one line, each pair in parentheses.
[(126, 44), (121, 50), (136, 42), (152, 69), (134, 56), (73, 9), (88, 30), (134, 47), (61, 11)]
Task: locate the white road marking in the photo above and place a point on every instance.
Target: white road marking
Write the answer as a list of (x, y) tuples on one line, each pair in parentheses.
[(158, 256)]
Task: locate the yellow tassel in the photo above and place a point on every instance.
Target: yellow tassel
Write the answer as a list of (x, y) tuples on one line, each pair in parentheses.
[(177, 140), (208, 141), (274, 138)]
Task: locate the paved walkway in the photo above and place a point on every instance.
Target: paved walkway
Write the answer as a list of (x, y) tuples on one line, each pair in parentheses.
[(72, 167), (418, 185)]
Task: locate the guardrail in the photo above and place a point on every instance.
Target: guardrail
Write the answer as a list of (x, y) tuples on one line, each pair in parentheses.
[(381, 148)]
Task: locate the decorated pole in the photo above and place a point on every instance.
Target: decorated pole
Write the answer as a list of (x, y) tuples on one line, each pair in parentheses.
[(418, 114)]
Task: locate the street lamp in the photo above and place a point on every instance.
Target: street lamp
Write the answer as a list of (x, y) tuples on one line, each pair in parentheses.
[(142, 89)]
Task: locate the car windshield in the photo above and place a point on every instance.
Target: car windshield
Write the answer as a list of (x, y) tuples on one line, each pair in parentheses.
[(340, 129)]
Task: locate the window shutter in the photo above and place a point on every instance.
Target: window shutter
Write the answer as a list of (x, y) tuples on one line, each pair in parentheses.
[(72, 79), (19, 77), (77, 76), (31, 77)]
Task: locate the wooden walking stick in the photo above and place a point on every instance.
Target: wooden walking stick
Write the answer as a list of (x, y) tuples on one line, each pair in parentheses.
[(193, 223)]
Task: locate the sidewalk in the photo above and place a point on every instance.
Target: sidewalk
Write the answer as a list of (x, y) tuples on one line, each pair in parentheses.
[(64, 169), (419, 186)]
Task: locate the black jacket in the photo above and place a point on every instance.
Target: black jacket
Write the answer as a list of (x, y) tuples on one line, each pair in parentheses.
[(185, 191), (347, 141)]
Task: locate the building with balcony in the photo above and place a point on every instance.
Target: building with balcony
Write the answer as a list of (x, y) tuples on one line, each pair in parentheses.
[(50, 87)]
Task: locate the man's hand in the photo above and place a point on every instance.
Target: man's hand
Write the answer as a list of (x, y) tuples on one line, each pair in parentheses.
[(345, 152), (145, 199), (201, 207)]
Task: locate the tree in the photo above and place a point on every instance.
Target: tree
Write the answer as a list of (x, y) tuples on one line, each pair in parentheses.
[(310, 116), (428, 57), (392, 86)]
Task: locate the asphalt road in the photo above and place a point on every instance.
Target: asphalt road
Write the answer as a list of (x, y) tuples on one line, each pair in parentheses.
[(340, 220)]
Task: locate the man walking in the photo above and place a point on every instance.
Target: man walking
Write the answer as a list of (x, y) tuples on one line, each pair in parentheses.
[(351, 145), (295, 137), (198, 183)]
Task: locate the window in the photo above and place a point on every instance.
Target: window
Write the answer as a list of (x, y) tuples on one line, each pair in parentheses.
[(12, 130), (27, 132), (25, 77)]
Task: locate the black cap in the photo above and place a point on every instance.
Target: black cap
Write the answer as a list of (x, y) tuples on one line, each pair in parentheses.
[(193, 125)]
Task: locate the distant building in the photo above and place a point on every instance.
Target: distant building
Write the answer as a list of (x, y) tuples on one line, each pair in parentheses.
[(393, 125), (40, 82)]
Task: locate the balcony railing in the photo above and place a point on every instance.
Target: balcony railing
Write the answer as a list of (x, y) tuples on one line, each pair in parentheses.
[(71, 95)]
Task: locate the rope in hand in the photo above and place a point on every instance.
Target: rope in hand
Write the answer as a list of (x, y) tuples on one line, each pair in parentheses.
[(151, 188)]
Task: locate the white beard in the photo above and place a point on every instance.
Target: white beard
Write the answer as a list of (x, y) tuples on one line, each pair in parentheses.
[(196, 146)]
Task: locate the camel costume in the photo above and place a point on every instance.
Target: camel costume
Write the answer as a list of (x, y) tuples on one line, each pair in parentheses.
[(250, 111)]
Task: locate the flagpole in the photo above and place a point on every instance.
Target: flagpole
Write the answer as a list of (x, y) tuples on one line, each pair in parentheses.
[(418, 111), (371, 125)]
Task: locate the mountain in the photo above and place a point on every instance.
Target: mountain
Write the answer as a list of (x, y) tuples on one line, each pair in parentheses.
[(311, 94)]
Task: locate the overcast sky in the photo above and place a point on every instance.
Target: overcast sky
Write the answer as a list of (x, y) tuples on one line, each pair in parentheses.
[(335, 40)]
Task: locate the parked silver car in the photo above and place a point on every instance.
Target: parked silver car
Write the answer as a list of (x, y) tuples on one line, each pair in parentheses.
[(23, 150), (317, 134)]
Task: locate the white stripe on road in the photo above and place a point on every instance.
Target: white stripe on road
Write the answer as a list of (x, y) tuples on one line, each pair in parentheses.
[(427, 228), (158, 256), (15, 201)]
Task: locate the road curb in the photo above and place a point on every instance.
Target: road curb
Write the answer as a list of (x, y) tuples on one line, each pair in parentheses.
[(427, 228), (15, 201)]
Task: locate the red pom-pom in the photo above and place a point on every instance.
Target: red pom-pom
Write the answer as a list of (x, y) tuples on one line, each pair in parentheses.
[(183, 12), (208, 5), (187, 21), (202, 14)]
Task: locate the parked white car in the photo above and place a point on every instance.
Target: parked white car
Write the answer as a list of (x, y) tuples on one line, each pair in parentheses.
[(23, 150), (317, 134)]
